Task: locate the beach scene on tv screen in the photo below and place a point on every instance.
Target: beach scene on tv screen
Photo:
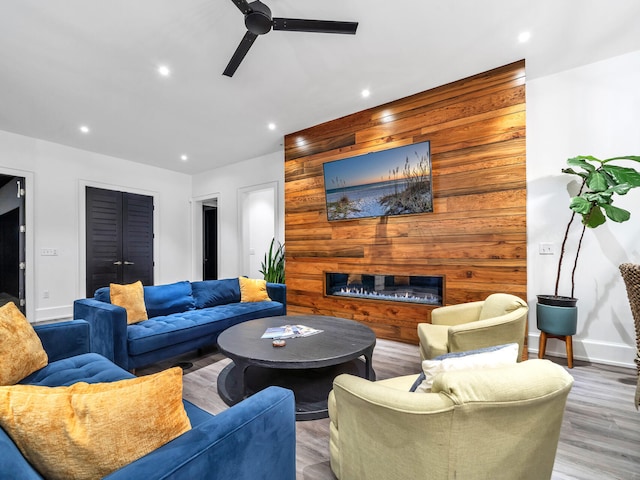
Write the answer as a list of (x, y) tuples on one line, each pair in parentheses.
[(390, 182)]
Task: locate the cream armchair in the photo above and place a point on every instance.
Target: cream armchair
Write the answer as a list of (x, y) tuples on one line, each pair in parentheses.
[(498, 320), (499, 423)]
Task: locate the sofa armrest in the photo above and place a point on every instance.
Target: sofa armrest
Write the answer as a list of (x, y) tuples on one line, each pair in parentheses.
[(108, 329), (508, 328), (64, 339), (12, 462), (278, 293), (456, 314), (255, 439)]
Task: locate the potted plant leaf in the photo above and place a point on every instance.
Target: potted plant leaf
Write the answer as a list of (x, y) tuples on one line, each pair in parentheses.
[(601, 181), (272, 267)]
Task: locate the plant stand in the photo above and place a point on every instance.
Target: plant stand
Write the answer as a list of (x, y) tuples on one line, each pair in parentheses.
[(557, 322)]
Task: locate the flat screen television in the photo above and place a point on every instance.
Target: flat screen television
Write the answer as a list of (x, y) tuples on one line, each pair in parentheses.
[(396, 181)]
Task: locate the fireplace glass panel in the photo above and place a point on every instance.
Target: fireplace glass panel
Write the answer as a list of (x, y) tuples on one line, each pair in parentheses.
[(398, 288)]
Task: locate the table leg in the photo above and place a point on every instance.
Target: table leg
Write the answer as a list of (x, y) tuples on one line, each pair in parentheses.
[(242, 378), (369, 365)]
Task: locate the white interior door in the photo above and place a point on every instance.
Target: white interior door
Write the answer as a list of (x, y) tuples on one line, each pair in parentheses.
[(258, 212)]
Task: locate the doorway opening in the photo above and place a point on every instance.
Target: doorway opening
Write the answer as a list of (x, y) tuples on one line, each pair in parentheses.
[(205, 240), (12, 241), (210, 241)]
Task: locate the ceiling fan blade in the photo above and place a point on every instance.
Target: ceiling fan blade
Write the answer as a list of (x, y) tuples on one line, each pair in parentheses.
[(243, 6), (241, 51), (320, 26)]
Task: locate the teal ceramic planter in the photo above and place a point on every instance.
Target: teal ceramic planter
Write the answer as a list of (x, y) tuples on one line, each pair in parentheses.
[(561, 321)]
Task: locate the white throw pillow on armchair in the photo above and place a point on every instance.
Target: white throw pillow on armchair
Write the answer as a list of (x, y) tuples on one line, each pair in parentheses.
[(490, 357)]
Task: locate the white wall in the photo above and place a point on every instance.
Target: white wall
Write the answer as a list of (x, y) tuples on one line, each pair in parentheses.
[(56, 176), (591, 110), (225, 184)]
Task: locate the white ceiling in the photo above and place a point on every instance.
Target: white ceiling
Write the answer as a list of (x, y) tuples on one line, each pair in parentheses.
[(64, 63)]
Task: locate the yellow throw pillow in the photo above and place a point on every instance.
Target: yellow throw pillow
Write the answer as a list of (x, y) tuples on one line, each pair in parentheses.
[(131, 298), (21, 351), (87, 431), (253, 290)]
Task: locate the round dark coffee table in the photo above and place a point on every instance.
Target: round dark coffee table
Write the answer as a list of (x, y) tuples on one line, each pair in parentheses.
[(305, 365)]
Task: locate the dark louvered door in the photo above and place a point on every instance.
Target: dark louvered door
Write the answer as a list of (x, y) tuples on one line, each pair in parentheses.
[(119, 238), (137, 245)]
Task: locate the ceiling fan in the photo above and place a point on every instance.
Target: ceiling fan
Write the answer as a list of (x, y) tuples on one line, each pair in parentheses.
[(258, 20)]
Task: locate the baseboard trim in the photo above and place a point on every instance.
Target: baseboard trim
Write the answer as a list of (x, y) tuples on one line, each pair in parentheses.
[(605, 353), (64, 312)]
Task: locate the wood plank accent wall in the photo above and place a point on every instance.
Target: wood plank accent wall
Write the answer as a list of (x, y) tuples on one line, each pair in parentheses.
[(476, 235)]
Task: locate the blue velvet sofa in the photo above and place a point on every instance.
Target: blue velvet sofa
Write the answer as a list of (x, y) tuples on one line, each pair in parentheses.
[(252, 440), (183, 317)]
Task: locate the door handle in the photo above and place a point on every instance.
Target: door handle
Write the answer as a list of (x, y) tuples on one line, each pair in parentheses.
[(117, 263), (129, 263)]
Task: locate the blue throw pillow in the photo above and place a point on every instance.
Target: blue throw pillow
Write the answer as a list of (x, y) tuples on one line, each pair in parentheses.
[(209, 293), (103, 295), (417, 383), (167, 299)]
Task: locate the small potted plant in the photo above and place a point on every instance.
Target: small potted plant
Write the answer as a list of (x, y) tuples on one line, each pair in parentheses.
[(272, 267), (601, 181)]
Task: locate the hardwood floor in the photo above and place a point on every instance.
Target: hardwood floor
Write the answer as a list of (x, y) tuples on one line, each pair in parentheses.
[(600, 437)]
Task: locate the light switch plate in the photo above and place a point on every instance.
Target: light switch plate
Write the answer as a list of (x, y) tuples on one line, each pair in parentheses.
[(546, 248)]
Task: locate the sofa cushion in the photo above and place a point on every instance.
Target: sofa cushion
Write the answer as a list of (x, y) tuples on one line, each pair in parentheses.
[(253, 290), (209, 293), (490, 357), (167, 299), (88, 367), (21, 351), (75, 431), (131, 298), (170, 330)]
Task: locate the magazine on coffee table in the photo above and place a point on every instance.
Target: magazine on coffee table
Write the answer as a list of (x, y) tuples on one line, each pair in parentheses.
[(289, 331)]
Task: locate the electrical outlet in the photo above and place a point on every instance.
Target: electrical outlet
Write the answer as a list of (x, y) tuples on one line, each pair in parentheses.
[(48, 252), (546, 248), (45, 294)]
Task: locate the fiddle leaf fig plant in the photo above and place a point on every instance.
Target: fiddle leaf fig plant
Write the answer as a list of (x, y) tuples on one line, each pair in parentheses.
[(602, 180)]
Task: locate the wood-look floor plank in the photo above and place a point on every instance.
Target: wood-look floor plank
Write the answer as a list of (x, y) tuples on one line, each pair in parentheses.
[(599, 440)]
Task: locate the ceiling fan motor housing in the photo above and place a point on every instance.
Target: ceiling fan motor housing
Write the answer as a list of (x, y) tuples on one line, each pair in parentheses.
[(258, 21)]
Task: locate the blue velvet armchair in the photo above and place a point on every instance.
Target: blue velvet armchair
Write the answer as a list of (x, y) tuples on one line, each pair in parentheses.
[(254, 439)]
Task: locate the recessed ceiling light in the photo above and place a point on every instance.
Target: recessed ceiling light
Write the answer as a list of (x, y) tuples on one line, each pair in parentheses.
[(84, 129), (184, 158), (272, 126), (524, 37), (164, 70), (365, 93)]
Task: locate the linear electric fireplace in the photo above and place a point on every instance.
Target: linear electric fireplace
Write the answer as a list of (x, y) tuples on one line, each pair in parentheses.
[(428, 290)]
